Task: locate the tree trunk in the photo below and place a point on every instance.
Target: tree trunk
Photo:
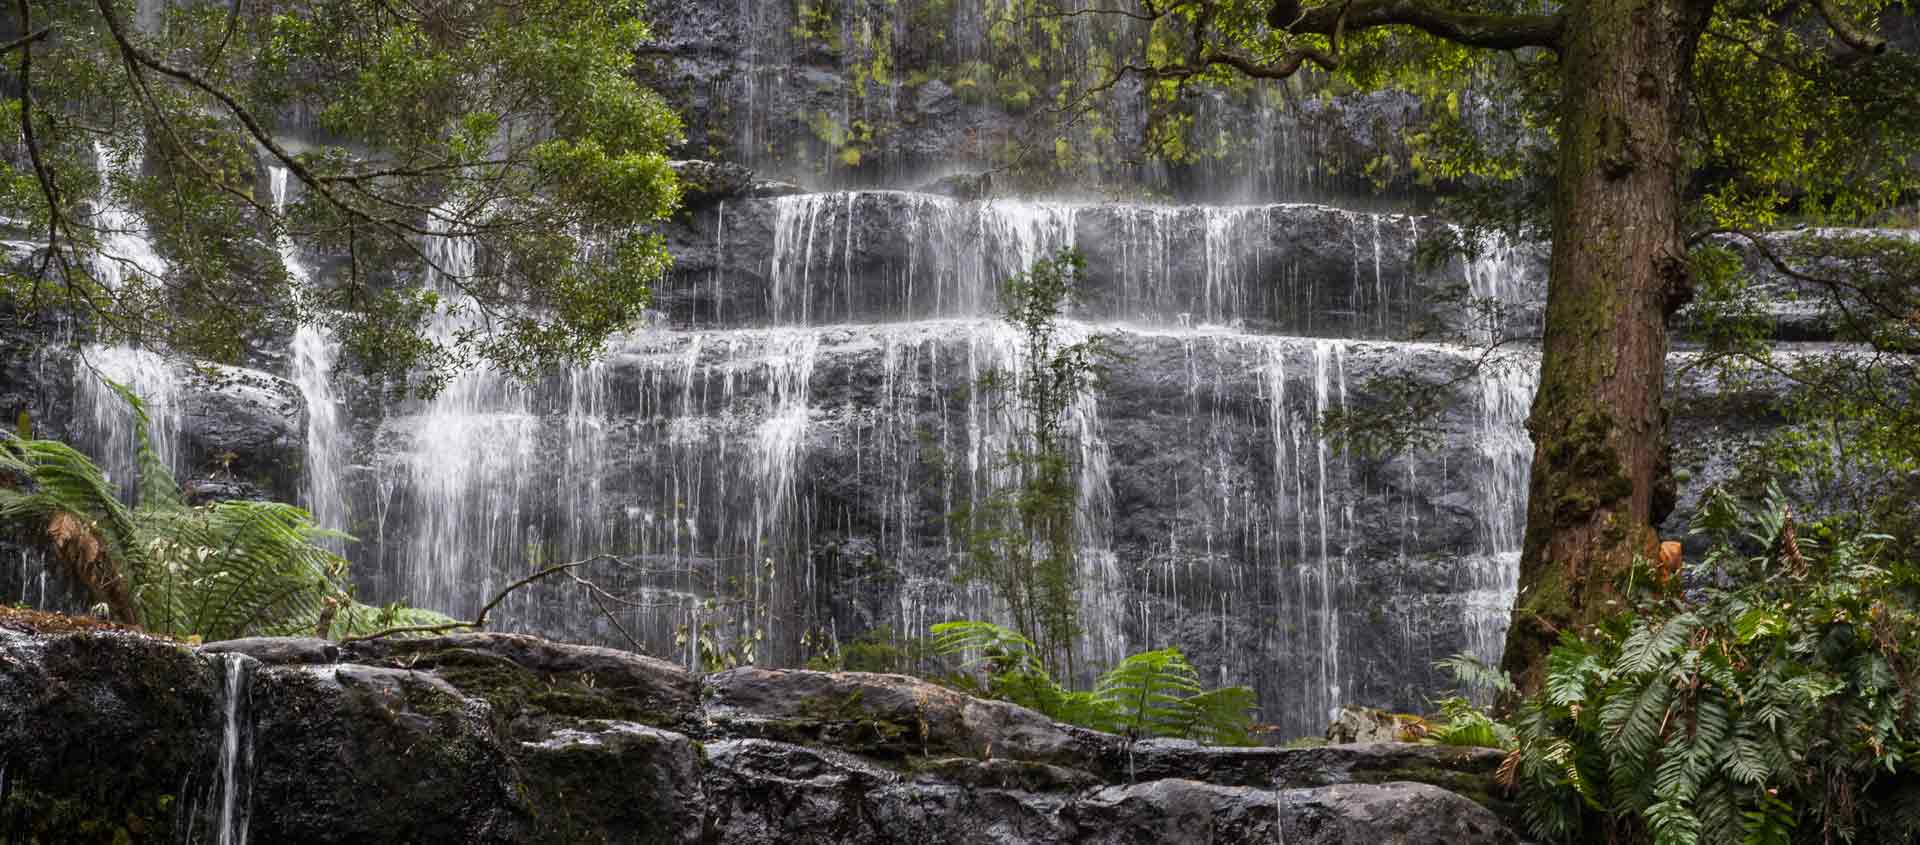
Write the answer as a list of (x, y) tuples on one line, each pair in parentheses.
[(1618, 271)]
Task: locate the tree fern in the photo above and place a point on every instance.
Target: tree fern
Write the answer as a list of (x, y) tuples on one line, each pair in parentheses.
[(62, 496), (1148, 692), (1221, 716), (223, 570)]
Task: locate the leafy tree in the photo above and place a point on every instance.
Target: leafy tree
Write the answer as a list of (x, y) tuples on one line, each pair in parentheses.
[(414, 131), (1850, 451), (219, 571), (1021, 540), (1660, 121)]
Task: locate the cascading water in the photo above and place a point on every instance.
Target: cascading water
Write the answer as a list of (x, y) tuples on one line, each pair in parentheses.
[(311, 365), (773, 465), (886, 255), (126, 263)]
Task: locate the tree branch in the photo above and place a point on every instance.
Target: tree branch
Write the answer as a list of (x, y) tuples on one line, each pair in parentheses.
[(1473, 29), (47, 186), (479, 620), (1848, 32), (24, 40)]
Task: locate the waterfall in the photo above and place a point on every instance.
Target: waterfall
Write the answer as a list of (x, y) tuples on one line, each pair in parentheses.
[(108, 425), (125, 262), (469, 463), (313, 355), (778, 527), (1505, 397), (233, 783), (889, 255), (786, 474)]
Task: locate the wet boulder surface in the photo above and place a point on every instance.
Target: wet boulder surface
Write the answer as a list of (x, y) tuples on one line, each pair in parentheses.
[(110, 735)]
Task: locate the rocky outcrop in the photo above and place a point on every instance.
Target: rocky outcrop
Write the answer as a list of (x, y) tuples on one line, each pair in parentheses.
[(704, 183), (497, 738), (244, 429)]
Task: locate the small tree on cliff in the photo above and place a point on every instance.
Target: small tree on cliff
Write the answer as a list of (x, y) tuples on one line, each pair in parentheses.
[(1020, 540), (1764, 107), (410, 130)]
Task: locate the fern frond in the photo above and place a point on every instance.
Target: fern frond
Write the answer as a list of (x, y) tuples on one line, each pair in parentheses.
[(1649, 645), (1473, 674), (1149, 691), (1221, 716)]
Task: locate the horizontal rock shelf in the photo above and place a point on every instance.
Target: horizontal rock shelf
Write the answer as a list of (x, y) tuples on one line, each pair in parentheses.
[(504, 738)]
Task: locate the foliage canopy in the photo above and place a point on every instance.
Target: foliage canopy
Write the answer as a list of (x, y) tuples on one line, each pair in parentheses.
[(516, 126)]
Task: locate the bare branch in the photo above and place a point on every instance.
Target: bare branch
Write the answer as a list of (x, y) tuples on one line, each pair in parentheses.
[(480, 619)]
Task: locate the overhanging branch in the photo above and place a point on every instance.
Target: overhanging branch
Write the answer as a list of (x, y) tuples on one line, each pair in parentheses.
[(1848, 33), (1473, 29), (23, 40)]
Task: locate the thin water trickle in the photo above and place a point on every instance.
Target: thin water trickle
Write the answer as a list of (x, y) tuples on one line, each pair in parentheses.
[(235, 778)]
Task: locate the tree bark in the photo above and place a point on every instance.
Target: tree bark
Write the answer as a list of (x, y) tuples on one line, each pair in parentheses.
[(1618, 270)]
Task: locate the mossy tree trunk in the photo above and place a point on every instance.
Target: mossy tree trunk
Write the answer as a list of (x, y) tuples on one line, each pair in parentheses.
[(1618, 271)]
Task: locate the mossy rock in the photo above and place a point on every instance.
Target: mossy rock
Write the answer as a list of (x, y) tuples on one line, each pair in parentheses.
[(98, 731)]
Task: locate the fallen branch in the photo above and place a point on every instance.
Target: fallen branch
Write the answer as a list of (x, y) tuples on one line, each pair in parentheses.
[(479, 620)]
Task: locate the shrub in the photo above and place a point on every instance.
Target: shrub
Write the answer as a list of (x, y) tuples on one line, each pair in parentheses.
[(1153, 693), (1776, 704)]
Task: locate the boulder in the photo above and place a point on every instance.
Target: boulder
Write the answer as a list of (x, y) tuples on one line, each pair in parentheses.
[(892, 716), (1175, 810), (243, 426), (1364, 724)]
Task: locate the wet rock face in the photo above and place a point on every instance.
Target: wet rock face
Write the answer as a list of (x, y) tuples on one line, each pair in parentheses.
[(245, 426), (902, 93), (867, 256), (102, 728), (837, 452), (407, 741), (227, 432), (33, 379)]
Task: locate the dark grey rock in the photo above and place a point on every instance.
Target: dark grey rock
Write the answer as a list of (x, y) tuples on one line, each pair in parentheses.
[(103, 727), (703, 183), (245, 426), (889, 716), (961, 186), (1348, 814), (356, 753), (276, 651), (615, 782), (106, 729)]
